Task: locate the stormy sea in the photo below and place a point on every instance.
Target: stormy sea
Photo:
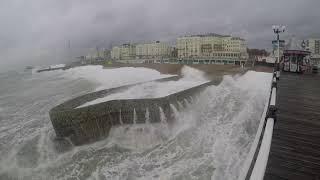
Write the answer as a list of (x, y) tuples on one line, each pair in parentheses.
[(211, 138)]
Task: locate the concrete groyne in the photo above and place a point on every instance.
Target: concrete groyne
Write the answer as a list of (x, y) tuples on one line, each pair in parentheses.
[(92, 123)]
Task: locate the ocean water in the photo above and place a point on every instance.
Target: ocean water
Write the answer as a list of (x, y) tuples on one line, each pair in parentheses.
[(210, 138)]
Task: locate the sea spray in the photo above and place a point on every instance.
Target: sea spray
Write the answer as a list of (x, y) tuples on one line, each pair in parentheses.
[(120, 117), (190, 78), (213, 149), (180, 105), (186, 103), (174, 113), (189, 73), (134, 116), (191, 99), (162, 116), (147, 116)]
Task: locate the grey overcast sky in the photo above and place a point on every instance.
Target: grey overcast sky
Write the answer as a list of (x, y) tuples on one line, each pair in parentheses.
[(37, 31)]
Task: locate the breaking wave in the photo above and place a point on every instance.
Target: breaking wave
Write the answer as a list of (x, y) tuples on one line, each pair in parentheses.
[(210, 138)]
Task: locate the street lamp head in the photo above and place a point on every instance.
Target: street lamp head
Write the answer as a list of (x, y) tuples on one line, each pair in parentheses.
[(278, 29)]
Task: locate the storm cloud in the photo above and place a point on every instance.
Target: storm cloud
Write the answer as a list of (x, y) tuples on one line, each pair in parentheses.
[(37, 31)]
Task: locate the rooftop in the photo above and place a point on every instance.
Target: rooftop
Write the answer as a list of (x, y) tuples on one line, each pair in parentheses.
[(213, 35), (295, 46), (208, 35)]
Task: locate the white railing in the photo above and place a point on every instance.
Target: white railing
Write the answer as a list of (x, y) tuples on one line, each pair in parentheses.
[(268, 119), (255, 143), (278, 74), (263, 155), (273, 97), (262, 159)]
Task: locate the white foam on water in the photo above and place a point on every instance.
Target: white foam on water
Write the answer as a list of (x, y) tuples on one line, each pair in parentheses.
[(187, 103), (108, 78), (180, 104), (147, 116), (120, 118), (147, 90), (192, 100), (163, 117), (57, 66), (190, 78), (210, 140), (175, 112), (134, 116), (137, 137), (193, 74)]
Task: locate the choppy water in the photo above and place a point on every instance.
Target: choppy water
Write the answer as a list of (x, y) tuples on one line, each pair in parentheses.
[(210, 139)]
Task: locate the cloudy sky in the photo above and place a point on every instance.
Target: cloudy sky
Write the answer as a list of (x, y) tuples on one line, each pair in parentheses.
[(36, 31)]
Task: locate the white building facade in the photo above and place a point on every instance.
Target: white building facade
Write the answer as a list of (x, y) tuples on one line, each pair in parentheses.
[(153, 50), (115, 53), (313, 45), (212, 46), (124, 52)]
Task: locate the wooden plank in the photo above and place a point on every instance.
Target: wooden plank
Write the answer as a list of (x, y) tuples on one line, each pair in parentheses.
[(295, 148)]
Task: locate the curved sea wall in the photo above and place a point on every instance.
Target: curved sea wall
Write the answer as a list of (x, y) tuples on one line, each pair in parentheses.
[(91, 123)]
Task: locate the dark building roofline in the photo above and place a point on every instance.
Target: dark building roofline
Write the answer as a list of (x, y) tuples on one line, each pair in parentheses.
[(214, 35), (206, 35)]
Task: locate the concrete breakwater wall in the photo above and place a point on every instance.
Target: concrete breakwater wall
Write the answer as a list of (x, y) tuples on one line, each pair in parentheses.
[(53, 69), (91, 123)]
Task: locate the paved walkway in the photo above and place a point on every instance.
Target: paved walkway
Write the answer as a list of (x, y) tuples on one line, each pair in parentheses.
[(295, 148)]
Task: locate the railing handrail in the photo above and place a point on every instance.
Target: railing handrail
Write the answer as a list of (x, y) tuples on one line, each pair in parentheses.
[(268, 119), (273, 97), (262, 159), (255, 143)]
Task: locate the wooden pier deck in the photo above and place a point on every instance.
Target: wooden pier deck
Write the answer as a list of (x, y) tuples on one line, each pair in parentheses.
[(295, 147)]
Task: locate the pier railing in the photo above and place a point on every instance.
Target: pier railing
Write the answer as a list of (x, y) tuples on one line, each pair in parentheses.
[(256, 163)]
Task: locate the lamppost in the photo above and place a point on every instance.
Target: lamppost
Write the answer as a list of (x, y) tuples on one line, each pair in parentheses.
[(277, 30)]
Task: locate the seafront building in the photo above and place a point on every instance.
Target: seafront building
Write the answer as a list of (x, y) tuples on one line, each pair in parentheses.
[(115, 53), (154, 50), (145, 51), (212, 49), (196, 49), (124, 52), (96, 54), (313, 45)]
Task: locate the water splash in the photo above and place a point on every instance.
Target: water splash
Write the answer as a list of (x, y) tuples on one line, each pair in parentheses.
[(147, 116), (163, 117), (120, 118), (175, 112), (190, 150), (190, 73), (186, 102), (180, 105), (191, 99), (134, 116), (197, 99)]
